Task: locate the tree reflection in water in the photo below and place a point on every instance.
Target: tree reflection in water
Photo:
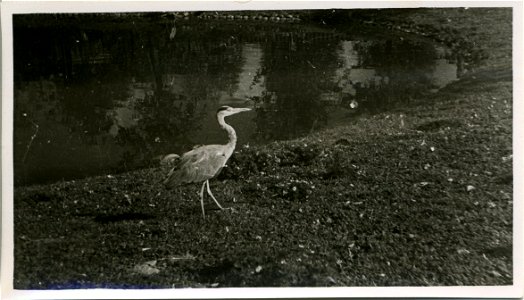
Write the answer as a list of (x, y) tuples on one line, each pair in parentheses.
[(297, 68), (112, 91)]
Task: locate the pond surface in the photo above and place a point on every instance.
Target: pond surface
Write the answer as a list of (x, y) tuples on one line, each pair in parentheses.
[(100, 94)]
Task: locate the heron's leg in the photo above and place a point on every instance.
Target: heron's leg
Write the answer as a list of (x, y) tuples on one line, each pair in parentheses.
[(202, 199), (211, 194)]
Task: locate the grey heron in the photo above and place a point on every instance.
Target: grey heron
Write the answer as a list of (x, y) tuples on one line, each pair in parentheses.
[(205, 162)]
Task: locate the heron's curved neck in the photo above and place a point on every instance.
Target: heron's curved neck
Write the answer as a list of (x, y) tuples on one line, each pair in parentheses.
[(231, 134)]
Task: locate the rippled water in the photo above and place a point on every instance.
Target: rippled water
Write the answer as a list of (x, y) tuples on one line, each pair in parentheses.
[(98, 97)]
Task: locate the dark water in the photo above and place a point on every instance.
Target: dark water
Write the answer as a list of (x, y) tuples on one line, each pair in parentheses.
[(99, 95)]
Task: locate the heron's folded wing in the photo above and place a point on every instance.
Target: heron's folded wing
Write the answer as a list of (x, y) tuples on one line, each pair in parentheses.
[(197, 165)]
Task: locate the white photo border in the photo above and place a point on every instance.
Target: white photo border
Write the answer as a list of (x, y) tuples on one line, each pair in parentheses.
[(11, 7)]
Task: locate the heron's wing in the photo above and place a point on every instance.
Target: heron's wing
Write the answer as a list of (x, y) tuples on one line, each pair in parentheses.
[(198, 165)]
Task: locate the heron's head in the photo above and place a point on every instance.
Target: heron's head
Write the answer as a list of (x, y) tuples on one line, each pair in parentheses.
[(225, 111)]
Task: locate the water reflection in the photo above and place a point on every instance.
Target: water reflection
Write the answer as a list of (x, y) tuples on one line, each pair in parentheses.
[(98, 99)]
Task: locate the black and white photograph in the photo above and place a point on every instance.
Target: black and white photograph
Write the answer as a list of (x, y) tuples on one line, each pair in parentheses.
[(200, 147)]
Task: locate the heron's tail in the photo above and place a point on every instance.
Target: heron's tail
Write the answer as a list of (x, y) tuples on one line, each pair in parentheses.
[(172, 179), (165, 162), (169, 159)]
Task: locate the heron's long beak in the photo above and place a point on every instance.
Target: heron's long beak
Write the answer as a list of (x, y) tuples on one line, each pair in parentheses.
[(238, 110)]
